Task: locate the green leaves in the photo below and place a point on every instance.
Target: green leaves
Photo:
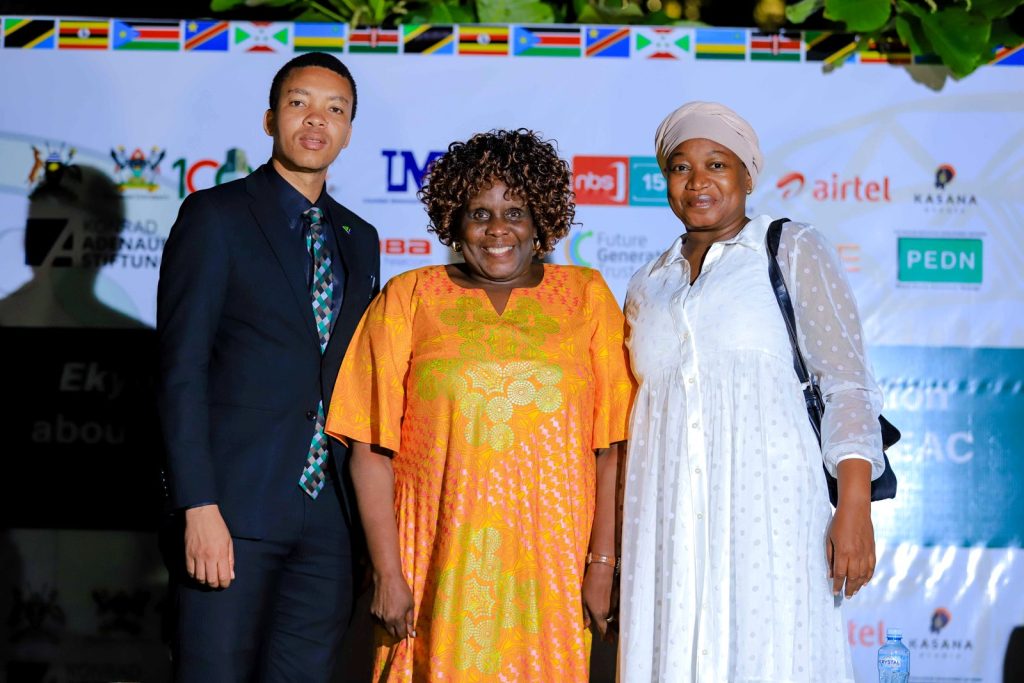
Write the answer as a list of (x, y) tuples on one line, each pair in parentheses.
[(514, 11), (859, 15), (962, 33)]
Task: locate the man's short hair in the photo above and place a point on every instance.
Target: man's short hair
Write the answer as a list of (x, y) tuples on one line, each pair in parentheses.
[(320, 59)]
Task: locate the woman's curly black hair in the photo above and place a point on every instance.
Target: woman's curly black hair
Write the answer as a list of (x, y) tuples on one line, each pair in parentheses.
[(528, 165)]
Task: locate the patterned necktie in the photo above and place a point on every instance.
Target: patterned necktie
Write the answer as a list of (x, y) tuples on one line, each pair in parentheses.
[(321, 291)]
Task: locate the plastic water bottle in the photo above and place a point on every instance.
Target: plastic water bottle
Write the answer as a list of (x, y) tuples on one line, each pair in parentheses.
[(893, 658)]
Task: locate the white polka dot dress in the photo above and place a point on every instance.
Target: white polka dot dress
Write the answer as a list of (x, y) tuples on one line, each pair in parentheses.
[(726, 511)]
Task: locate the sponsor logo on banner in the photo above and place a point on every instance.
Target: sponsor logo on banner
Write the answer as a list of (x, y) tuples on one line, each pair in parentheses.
[(396, 246), (943, 200), (204, 173), (137, 171), (836, 188), (954, 260), (940, 619), (53, 165), (406, 168), (615, 254), (75, 242), (618, 181)]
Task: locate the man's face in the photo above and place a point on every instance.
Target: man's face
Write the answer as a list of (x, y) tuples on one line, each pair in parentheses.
[(312, 121)]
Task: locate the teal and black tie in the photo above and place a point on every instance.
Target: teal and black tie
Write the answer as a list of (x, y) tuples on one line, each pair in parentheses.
[(321, 291)]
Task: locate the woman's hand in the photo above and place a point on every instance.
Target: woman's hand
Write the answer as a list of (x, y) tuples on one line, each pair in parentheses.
[(597, 599), (392, 605), (850, 545)]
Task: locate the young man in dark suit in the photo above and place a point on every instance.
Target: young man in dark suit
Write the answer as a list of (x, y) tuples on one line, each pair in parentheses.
[(262, 284)]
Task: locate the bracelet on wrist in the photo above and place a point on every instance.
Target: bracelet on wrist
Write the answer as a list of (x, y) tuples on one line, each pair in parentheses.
[(596, 558)]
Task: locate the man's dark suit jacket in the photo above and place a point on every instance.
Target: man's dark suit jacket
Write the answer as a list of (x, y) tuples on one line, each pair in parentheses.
[(241, 369)]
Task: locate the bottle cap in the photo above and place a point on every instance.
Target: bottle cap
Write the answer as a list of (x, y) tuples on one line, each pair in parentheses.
[(894, 633)]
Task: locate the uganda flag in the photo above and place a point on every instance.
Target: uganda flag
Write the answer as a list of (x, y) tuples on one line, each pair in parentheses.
[(374, 40), (147, 35), (428, 39), (483, 40), (29, 34), (77, 34), (319, 37), (828, 47), (546, 41), (888, 51), (602, 41), (717, 43), (206, 36), (774, 47)]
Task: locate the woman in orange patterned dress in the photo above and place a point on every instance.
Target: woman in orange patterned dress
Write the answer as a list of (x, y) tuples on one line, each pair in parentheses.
[(485, 453)]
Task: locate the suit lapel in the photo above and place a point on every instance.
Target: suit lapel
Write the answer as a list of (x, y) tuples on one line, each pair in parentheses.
[(272, 221), (342, 238)]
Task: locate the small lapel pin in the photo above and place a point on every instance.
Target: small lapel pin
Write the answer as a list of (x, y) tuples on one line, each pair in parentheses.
[(348, 230)]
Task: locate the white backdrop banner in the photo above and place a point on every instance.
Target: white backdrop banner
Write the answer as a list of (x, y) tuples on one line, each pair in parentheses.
[(919, 188)]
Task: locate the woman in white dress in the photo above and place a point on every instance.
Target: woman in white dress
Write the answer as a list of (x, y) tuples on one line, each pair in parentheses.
[(733, 563)]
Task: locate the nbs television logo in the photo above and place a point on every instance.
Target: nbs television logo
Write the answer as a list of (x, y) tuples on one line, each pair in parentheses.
[(618, 181)]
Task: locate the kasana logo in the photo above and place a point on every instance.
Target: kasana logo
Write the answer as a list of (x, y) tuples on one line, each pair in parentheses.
[(943, 200)]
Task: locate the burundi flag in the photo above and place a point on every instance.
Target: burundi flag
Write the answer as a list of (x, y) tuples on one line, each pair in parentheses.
[(722, 43), (319, 37), (828, 47), (775, 47), (546, 41), (207, 36), (483, 40), (602, 41), (1009, 56), (77, 34), (30, 34), (365, 39), (260, 36), (428, 39), (147, 35), (660, 42), (890, 51)]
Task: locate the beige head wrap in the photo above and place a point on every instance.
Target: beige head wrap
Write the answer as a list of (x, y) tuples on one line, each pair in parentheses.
[(712, 121)]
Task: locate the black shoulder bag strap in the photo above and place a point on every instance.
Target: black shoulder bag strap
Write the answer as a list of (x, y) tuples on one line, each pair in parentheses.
[(812, 396), (881, 488)]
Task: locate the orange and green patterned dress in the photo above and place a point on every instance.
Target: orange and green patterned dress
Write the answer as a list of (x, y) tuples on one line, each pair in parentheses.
[(493, 421)]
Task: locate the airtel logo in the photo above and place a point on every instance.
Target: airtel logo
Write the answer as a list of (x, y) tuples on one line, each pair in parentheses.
[(790, 184), (836, 189), (600, 180)]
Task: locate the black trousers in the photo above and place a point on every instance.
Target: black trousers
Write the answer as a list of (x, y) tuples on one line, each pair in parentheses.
[(283, 616)]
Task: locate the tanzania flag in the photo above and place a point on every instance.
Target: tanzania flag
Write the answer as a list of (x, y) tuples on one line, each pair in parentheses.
[(210, 36), (319, 37), (774, 47), (374, 40), (546, 41), (1009, 56), (29, 34), (428, 39), (147, 35), (714, 43), (890, 51), (607, 42), (828, 47), (660, 42), (83, 35), (260, 36), (483, 40)]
